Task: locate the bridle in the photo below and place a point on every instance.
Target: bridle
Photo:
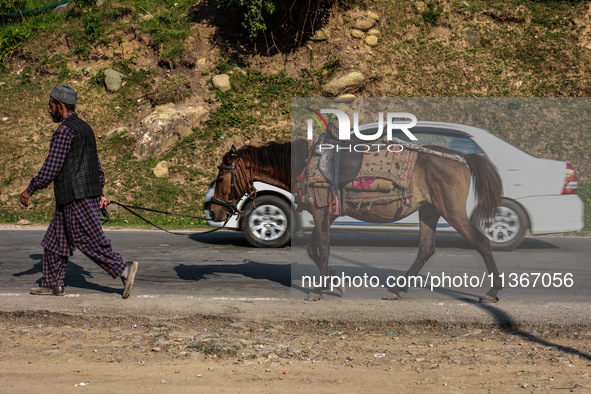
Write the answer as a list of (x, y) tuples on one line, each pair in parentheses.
[(237, 176)]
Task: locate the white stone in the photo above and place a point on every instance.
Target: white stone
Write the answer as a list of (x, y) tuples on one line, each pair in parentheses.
[(346, 84), (113, 80), (364, 23), (345, 98), (373, 15), (222, 82), (116, 132), (163, 128), (371, 41), (355, 33), (161, 170)]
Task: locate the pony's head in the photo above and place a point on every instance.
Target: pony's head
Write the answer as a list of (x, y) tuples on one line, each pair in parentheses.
[(232, 183)]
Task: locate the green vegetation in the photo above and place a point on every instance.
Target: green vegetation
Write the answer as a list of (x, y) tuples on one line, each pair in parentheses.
[(585, 192), (432, 14), (285, 24), (254, 13), (523, 48), (89, 27)]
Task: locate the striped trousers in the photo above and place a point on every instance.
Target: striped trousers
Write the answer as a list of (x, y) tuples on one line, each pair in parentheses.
[(77, 226)]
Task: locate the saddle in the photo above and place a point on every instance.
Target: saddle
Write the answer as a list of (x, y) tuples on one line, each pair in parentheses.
[(340, 167), (341, 164), (337, 174)]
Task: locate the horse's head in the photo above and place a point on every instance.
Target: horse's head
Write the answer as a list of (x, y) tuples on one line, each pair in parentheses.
[(232, 183)]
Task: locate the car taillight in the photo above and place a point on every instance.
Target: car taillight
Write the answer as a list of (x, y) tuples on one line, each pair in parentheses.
[(570, 180)]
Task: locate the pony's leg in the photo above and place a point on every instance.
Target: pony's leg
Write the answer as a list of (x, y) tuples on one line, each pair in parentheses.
[(319, 250), (312, 247), (428, 217), (466, 229)]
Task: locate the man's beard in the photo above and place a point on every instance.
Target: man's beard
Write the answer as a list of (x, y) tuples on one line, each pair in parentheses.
[(57, 117)]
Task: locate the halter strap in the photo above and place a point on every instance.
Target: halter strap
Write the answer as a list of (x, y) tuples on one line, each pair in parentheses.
[(234, 190)]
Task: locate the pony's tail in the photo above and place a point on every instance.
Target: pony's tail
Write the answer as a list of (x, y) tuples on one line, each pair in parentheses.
[(487, 184)]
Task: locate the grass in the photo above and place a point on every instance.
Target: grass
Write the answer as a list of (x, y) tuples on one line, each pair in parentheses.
[(89, 27), (527, 48)]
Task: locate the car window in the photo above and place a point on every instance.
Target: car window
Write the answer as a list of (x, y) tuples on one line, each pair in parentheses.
[(458, 142), (455, 142)]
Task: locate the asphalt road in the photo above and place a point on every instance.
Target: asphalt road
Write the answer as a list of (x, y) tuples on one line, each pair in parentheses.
[(219, 273)]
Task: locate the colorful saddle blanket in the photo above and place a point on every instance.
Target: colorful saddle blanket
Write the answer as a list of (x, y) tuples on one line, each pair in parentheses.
[(384, 177)]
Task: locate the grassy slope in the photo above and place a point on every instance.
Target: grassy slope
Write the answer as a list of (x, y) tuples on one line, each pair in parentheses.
[(526, 48)]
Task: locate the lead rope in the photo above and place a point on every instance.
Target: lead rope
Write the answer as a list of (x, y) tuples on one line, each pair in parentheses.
[(130, 208)]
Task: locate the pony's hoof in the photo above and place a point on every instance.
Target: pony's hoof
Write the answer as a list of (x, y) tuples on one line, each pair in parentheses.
[(390, 296), (488, 300)]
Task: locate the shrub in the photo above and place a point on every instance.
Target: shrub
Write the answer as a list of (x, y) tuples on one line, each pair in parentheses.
[(7, 6), (272, 21), (432, 14)]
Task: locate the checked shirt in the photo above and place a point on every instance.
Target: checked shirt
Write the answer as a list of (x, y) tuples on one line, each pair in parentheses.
[(75, 225)]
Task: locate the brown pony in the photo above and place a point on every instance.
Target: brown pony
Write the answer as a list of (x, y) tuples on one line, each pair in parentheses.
[(440, 189)]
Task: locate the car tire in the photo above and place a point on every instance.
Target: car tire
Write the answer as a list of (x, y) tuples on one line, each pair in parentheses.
[(508, 228), (267, 223)]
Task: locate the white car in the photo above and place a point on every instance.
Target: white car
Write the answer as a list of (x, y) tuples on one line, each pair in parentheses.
[(540, 195)]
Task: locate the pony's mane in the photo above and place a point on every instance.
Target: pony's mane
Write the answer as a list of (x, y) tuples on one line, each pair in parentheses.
[(273, 158)]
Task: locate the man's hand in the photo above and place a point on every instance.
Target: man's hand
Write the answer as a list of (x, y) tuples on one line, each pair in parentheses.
[(25, 198), (104, 202)]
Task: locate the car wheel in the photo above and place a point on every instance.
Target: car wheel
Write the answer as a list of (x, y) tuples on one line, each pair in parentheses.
[(507, 230), (267, 224)]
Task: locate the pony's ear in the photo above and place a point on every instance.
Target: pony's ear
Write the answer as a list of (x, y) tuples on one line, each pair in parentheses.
[(233, 149)]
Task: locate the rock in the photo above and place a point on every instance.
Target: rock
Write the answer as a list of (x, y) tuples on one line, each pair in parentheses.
[(345, 98), (374, 32), (471, 35), (364, 23), (202, 62), (371, 41), (373, 15), (321, 35), (161, 170), (113, 80), (222, 82), (87, 70), (116, 132), (23, 222), (63, 9), (355, 33), (99, 3), (166, 126), (146, 17), (347, 84)]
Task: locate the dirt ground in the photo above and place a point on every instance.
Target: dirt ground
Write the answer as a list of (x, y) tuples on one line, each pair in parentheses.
[(42, 351)]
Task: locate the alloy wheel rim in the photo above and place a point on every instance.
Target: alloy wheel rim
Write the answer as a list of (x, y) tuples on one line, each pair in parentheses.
[(504, 227), (267, 222)]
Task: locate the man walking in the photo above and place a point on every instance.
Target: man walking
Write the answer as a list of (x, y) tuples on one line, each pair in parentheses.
[(75, 170)]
